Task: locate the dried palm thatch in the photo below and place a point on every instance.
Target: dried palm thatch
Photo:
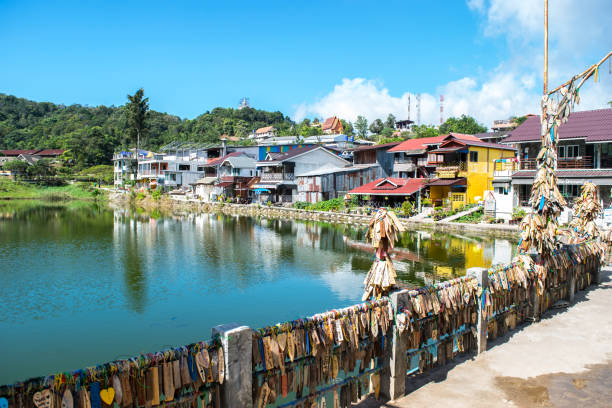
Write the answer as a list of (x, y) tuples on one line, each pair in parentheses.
[(382, 233), (539, 229), (588, 208)]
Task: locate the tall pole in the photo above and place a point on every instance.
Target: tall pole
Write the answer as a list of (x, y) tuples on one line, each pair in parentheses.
[(545, 47)]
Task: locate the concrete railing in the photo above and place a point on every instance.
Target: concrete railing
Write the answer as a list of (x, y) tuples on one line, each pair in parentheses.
[(378, 346)]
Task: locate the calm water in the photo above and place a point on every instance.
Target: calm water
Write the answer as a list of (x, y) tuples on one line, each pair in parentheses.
[(82, 284)]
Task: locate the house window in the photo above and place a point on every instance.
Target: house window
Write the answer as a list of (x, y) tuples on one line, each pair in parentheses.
[(569, 151), (183, 167), (569, 190), (201, 168), (473, 157)]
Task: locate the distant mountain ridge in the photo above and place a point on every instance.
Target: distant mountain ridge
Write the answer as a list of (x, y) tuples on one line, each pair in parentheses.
[(26, 124)]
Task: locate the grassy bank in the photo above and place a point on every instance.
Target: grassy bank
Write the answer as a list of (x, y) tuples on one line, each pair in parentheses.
[(18, 190)]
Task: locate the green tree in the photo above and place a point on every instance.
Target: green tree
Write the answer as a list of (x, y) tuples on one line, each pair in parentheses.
[(387, 132), (390, 122), (347, 128), (610, 103), (361, 125), (137, 109), (16, 166), (518, 119), (41, 168), (377, 126), (420, 131), (464, 124)]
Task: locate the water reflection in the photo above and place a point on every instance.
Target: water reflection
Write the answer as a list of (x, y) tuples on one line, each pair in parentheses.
[(123, 282)]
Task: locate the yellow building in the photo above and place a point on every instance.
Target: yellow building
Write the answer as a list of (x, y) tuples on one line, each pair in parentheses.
[(465, 170)]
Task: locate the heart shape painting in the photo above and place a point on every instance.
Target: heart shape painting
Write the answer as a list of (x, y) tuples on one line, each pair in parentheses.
[(107, 395), (3, 402), (42, 399)]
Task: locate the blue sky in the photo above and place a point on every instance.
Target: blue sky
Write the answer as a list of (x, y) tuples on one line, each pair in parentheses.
[(303, 58)]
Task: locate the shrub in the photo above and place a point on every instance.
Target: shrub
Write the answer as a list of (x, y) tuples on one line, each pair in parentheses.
[(407, 208), (301, 205), (518, 213), (156, 195), (335, 204), (354, 200), (426, 202), (269, 203), (140, 196)]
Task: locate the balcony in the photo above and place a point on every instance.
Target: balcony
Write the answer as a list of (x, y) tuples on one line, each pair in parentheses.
[(405, 166), (277, 177), (451, 170), (503, 170), (583, 162)]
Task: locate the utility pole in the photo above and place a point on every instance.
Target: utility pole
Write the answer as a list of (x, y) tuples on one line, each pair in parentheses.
[(545, 47)]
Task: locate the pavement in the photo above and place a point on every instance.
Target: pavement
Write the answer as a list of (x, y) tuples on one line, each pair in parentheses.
[(565, 360)]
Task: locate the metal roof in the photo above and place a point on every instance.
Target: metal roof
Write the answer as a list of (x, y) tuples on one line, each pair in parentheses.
[(594, 126)]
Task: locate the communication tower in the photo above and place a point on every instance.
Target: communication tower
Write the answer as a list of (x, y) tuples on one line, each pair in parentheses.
[(441, 109), (244, 103)]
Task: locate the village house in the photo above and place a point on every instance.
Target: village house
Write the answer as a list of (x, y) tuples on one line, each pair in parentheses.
[(391, 191), (236, 173), (178, 165), (464, 170), (412, 158), (376, 154), (332, 126), (326, 183), (584, 154), (279, 171), (264, 133)]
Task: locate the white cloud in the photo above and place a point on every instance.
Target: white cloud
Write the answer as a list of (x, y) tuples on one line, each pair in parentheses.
[(503, 95), (577, 39)]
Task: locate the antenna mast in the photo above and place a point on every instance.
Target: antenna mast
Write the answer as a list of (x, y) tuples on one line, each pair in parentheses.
[(408, 106), (418, 106), (441, 109)]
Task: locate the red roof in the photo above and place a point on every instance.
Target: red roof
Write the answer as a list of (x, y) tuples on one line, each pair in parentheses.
[(422, 143), (265, 129), (219, 160), (456, 144), (448, 182), (329, 123), (391, 186), (593, 125), (51, 152), (18, 152)]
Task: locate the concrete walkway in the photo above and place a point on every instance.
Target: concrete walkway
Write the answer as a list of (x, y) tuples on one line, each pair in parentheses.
[(565, 360)]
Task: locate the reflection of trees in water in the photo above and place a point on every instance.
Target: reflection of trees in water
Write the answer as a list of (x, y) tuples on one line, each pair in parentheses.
[(133, 269)]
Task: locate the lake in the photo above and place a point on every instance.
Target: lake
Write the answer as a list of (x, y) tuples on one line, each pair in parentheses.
[(83, 284)]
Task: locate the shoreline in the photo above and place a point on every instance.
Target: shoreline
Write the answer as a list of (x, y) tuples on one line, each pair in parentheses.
[(194, 206)]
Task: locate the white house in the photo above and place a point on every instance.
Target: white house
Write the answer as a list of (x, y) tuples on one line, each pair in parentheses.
[(264, 133), (279, 171)]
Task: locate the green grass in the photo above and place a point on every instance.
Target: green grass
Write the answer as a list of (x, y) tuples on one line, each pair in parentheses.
[(473, 218), (18, 190)]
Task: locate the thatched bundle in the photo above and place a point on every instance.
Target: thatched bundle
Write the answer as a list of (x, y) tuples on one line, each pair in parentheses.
[(383, 231)]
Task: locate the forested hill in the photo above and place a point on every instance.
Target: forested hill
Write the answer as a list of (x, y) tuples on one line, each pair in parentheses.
[(98, 131)]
